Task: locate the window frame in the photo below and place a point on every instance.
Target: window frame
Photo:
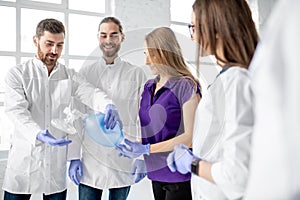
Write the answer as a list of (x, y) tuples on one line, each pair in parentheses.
[(63, 8)]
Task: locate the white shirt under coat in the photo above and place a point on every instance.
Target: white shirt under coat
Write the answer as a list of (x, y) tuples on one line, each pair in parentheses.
[(222, 131)]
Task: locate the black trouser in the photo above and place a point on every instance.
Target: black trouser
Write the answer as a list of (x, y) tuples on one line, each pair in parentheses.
[(172, 191)]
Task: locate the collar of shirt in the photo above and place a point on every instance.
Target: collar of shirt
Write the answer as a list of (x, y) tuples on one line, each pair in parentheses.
[(41, 65), (169, 84), (117, 61)]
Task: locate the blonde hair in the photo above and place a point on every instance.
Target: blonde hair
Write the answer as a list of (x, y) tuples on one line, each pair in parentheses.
[(162, 44)]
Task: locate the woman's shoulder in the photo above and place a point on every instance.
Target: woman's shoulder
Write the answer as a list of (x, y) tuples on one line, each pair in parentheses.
[(237, 72), (182, 82)]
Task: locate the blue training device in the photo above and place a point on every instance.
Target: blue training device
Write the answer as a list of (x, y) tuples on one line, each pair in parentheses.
[(95, 128)]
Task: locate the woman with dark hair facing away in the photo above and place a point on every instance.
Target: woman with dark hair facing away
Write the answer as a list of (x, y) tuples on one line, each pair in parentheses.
[(224, 118)]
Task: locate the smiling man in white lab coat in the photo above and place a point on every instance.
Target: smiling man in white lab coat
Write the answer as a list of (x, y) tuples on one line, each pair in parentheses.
[(38, 91), (101, 166)]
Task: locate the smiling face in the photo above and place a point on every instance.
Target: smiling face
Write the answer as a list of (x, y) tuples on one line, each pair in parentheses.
[(49, 47), (110, 39)]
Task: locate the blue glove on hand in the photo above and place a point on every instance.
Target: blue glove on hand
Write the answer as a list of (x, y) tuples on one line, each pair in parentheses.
[(75, 171), (46, 137), (112, 117), (135, 149), (139, 170), (180, 159)]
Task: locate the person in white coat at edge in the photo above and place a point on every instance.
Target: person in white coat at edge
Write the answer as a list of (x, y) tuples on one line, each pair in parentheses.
[(38, 91), (224, 118), (102, 167), (275, 156)]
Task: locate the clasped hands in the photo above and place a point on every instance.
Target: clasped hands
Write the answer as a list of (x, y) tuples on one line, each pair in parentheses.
[(180, 159)]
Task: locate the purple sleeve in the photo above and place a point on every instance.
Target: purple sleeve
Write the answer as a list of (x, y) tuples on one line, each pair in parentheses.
[(184, 90)]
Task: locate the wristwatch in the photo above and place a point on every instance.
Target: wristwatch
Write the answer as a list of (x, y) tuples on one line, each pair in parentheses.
[(195, 166)]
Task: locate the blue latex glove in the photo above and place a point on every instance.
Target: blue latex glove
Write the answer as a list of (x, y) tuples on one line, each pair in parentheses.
[(112, 117), (139, 170), (134, 149), (46, 137), (180, 159), (75, 171)]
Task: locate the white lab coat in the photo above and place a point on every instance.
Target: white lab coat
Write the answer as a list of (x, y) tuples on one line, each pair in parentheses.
[(123, 82), (222, 130), (32, 100), (275, 163)]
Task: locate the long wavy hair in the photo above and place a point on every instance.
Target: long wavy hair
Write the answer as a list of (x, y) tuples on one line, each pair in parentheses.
[(231, 21), (162, 44)]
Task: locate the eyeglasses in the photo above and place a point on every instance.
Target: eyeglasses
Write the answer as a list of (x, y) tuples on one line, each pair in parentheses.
[(191, 29)]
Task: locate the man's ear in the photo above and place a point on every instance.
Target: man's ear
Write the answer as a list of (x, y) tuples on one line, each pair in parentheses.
[(35, 40), (123, 37), (98, 37)]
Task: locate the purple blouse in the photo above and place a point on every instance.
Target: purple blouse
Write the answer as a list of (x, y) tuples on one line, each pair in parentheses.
[(161, 119)]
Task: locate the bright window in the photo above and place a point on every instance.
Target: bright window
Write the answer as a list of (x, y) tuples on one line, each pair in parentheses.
[(88, 5), (18, 21), (30, 18), (181, 12), (49, 1), (80, 27), (8, 30)]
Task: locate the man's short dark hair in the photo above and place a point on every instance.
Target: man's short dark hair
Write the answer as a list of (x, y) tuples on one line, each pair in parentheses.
[(51, 25), (114, 20)]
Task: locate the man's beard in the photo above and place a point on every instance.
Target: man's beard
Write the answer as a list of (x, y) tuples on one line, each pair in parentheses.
[(45, 59), (111, 53)]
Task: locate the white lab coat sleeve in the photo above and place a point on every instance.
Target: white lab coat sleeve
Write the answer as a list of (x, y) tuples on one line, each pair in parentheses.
[(74, 148), (88, 94), (17, 106), (231, 172), (143, 80)]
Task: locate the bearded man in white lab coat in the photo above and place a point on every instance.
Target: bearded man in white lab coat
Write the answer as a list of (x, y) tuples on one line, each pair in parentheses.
[(101, 167), (38, 91)]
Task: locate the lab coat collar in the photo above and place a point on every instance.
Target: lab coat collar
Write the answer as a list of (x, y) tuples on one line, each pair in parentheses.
[(117, 61), (223, 70), (41, 65)]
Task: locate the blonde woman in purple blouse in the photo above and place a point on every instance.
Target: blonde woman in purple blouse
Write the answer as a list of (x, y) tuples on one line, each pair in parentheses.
[(166, 113)]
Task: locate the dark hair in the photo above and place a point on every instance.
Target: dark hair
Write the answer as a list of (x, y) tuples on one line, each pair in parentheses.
[(51, 25), (231, 21), (114, 20)]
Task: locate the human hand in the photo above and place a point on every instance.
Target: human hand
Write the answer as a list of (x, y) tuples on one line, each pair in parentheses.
[(139, 170), (135, 149), (180, 159), (75, 171), (112, 117), (46, 137)]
